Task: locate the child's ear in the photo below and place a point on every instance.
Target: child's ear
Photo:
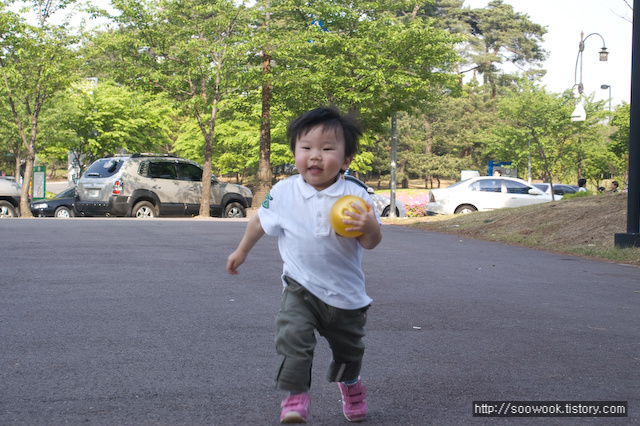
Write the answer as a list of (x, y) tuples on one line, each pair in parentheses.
[(347, 161)]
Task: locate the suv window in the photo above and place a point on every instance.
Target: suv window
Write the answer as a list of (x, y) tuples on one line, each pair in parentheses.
[(487, 185), (162, 170), (189, 172), (104, 167), (516, 187)]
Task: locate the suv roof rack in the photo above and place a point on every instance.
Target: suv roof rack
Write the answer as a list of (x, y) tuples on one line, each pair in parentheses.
[(151, 154), (140, 154)]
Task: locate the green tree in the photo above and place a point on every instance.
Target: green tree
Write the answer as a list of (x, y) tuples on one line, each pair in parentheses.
[(598, 162), (498, 34), (193, 50), (93, 118), (37, 62), (366, 57), (235, 144), (533, 120), (360, 56), (10, 142), (419, 154), (620, 138), (459, 125)]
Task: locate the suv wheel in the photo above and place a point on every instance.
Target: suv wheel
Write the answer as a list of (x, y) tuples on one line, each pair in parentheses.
[(234, 210), (143, 210), (6, 209)]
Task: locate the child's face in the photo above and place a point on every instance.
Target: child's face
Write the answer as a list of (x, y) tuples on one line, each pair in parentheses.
[(319, 156)]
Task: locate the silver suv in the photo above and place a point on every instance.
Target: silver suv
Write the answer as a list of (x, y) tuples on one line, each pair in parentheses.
[(9, 198), (150, 185)]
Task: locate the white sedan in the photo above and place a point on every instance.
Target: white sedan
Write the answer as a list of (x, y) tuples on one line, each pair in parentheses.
[(484, 193)]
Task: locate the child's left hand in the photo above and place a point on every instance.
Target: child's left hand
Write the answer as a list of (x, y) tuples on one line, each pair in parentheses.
[(364, 221)]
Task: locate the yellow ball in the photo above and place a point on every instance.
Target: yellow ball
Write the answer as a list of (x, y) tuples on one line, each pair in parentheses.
[(337, 214)]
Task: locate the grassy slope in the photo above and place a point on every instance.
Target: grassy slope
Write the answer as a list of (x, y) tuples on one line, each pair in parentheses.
[(583, 226)]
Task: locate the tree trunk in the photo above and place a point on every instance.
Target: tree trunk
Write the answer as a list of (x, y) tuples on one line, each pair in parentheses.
[(30, 145), (579, 160), (25, 204), (265, 176), (16, 172), (205, 202)]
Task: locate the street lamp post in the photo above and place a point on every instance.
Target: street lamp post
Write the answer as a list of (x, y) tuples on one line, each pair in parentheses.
[(605, 87), (579, 113), (632, 237)]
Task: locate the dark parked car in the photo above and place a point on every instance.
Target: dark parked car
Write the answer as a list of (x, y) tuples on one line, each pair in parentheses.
[(559, 189), (59, 206)]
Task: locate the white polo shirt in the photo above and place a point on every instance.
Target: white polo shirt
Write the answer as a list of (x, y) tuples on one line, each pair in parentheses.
[(326, 264)]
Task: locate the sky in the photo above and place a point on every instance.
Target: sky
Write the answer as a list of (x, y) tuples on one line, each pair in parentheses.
[(564, 20)]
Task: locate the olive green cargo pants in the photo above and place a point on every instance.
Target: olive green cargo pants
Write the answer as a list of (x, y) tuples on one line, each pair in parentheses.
[(300, 315)]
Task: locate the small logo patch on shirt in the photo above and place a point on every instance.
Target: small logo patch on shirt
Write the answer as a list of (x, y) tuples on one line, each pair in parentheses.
[(265, 203)]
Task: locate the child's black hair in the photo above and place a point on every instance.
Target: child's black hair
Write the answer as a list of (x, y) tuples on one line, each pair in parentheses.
[(330, 119)]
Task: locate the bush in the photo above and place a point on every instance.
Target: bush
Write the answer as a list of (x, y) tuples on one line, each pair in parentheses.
[(414, 200), (579, 194)]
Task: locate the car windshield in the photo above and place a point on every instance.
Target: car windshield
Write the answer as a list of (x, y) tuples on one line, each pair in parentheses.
[(487, 185), (458, 183), (104, 167), (69, 192)]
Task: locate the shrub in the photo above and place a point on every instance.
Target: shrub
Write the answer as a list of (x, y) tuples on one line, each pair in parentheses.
[(579, 194), (414, 200)]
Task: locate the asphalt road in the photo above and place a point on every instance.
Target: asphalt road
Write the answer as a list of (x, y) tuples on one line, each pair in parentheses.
[(126, 322)]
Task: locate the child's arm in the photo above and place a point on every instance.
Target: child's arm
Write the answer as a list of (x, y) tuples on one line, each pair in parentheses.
[(366, 223), (252, 235)]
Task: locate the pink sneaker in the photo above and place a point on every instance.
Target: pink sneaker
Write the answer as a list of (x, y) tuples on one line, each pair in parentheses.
[(295, 408), (354, 402)]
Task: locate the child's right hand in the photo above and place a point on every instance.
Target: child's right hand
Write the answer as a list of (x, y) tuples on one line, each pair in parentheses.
[(234, 261), (364, 221), (251, 236)]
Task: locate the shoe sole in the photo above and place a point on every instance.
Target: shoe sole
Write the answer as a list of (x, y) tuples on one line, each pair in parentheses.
[(356, 420), (292, 417)]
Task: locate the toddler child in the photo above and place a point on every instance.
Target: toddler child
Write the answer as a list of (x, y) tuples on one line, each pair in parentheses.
[(324, 287)]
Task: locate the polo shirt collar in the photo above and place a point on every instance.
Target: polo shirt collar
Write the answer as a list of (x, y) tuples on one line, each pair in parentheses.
[(308, 191)]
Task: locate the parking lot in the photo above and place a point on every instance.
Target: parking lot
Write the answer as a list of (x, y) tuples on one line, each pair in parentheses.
[(129, 322)]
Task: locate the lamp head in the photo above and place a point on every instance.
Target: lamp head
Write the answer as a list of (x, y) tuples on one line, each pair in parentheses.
[(604, 55)]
